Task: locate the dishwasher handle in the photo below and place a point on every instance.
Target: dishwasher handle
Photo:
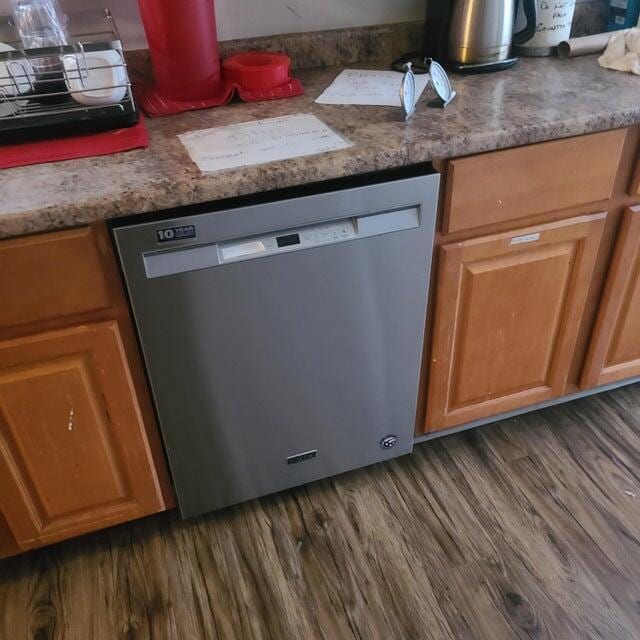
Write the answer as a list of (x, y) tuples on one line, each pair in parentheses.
[(183, 260), (388, 222)]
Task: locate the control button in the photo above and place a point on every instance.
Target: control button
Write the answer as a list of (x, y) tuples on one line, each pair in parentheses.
[(389, 442)]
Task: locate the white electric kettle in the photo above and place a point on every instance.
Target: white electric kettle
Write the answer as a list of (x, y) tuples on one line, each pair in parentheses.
[(541, 25)]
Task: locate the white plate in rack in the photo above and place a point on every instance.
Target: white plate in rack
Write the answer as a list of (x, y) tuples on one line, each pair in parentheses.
[(17, 76)]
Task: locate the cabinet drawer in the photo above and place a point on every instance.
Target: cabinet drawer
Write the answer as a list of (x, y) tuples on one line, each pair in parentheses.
[(50, 276), (515, 183)]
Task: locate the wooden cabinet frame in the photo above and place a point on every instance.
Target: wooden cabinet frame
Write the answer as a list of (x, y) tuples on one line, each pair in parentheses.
[(634, 189)]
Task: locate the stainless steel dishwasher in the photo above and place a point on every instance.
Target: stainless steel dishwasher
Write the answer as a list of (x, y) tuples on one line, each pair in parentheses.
[(283, 340)]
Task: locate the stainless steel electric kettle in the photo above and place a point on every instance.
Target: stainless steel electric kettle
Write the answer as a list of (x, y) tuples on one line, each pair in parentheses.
[(480, 34), (468, 36)]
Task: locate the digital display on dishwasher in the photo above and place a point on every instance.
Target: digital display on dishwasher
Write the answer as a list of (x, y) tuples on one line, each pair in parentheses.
[(288, 241)]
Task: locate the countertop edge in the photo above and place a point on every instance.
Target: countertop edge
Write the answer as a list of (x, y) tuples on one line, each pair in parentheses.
[(162, 195)]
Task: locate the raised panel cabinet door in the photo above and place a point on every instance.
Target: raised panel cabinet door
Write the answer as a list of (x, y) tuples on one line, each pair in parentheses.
[(507, 315), (74, 456), (614, 352)]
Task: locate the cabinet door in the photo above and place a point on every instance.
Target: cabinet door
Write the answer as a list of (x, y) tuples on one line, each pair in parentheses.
[(74, 456), (614, 352), (508, 310)]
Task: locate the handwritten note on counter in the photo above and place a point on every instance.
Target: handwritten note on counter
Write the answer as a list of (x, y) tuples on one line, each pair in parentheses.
[(260, 141), (376, 88)]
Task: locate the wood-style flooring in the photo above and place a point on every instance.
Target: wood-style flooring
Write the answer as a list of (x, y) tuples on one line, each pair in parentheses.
[(528, 528)]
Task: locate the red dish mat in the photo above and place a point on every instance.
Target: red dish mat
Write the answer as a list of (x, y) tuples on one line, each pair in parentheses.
[(70, 148), (155, 105)]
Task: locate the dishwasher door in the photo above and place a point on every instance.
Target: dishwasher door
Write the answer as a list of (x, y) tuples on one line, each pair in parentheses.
[(283, 341)]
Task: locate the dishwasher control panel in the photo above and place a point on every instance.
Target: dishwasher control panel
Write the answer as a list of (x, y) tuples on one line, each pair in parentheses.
[(159, 264), (289, 240)]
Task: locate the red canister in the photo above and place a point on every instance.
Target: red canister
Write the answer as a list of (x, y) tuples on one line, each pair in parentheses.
[(183, 44)]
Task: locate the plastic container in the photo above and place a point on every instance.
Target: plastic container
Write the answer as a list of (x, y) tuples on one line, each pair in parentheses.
[(41, 23), (183, 44), (261, 75)]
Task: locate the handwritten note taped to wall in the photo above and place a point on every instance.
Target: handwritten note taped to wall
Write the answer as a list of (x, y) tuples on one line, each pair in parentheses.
[(260, 141), (375, 88)]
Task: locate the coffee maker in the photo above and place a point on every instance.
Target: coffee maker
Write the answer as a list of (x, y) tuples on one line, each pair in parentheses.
[(472, 36)]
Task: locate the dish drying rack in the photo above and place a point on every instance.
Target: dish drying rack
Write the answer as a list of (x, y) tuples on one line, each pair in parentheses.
[(41, 103)]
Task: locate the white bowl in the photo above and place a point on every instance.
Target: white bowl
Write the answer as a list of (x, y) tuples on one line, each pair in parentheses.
[(100, 86)]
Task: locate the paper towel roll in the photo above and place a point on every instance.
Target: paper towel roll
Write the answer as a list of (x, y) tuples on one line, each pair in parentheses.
[(587, 45)]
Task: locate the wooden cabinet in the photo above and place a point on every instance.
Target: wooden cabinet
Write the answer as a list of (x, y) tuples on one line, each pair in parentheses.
[(508, 310), (614, 352), (73, 451), (79, 448)]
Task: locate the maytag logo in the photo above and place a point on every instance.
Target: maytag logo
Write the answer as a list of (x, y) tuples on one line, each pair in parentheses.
[(302, 457), (172, 234)]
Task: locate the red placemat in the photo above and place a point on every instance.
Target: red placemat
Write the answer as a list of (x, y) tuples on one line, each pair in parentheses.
[(155, 105), (70, 148)]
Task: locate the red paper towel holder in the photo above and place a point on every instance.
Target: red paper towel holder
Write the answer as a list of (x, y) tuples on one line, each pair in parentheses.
[(183, 45)]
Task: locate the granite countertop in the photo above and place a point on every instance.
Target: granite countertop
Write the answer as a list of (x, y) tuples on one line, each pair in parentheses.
[(539, 99)]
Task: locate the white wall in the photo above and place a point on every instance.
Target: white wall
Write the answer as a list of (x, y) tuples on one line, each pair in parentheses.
[(249, 18)]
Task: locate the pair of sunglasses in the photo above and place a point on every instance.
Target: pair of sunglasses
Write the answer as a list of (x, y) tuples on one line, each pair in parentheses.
[(420, 64)]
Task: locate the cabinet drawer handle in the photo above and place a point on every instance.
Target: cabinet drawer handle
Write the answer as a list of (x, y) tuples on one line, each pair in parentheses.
[(531, 237)]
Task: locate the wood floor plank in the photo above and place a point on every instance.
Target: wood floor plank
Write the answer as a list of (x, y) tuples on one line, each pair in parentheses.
[(529, 528), (588, 574), (504, 509), (601, 497)]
